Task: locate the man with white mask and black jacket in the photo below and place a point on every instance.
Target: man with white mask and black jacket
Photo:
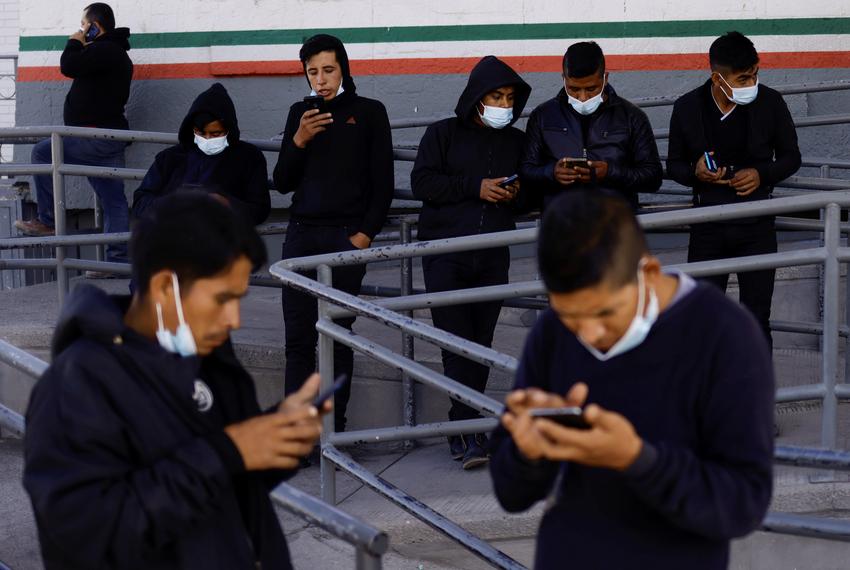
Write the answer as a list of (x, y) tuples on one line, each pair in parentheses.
[(465, 175), (732, 140), (337, 160)]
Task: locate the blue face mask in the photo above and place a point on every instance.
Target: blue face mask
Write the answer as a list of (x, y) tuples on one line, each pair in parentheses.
[(181, 342)]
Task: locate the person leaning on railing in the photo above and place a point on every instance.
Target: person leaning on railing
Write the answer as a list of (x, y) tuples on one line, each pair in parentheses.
[(145, 445), (337, 160), (211, 157), (95, 57), (746, 130), (677, 389), (460, 174)]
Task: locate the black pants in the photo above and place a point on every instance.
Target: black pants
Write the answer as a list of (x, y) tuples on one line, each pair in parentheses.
[(300, 310), (475, 321), (718, 241)]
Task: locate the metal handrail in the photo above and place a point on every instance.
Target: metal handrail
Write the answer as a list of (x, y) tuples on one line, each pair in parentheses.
[(370, 543)]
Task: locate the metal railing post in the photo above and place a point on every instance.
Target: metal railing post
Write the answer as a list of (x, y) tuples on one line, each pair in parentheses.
[(58, 159), (326, 370), (367, 561), (831, 286), (408, 388), (98, 226)]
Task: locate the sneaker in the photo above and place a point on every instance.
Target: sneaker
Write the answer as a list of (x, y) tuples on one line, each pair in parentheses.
[(100, 275), (456, 447), (476, 454), (34, 228)]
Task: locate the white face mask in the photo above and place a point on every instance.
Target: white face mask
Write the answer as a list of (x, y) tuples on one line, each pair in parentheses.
[(638, 330), (182, 342), (742, 95), (213, 146), (586, 107), (496, 117)]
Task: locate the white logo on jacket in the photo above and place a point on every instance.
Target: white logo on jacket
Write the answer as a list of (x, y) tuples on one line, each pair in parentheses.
[(203, 396)]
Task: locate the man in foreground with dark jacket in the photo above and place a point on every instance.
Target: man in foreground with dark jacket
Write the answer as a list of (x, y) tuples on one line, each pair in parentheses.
[(211, 157), (589, 137), (459, 175), (95, 57), (338, 161), (676, 385), (747, 131), (145, 446)]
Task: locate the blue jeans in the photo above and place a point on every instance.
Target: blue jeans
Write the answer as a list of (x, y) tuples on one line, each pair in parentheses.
[(110, 191)]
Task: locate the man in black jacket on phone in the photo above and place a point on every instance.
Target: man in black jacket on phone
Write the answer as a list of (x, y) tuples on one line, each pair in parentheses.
[(210, 156), (337, 159), (749, 135), (95, 57), (590, 137), (145, 445), (460, 175)]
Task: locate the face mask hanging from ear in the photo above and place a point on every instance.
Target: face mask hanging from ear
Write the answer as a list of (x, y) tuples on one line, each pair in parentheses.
[(182, 342), (640, 327)]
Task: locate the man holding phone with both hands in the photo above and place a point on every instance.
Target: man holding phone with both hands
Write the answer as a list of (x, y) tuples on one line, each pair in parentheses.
[(676, 386), (590, 137)]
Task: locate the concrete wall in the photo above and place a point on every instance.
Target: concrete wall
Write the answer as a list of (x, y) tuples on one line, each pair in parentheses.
[(415, 59)]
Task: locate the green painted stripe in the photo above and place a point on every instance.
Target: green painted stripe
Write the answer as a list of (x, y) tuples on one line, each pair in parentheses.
[(488, 32)]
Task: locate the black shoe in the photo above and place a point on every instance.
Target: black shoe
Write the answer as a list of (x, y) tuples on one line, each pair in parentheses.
[(456, 447), (476, 454)]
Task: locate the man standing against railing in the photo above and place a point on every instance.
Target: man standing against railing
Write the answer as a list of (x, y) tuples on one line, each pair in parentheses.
[(732, 140), (590, 137), (462, 175), (96, 58), (660, 391), (145, 444), (336, 157)]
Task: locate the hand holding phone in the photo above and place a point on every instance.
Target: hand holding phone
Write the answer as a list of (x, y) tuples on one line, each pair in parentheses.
[(575, 162), (92, 32), (508, 181), (315, 102), (570, 417), (339, 382), (314, 121)]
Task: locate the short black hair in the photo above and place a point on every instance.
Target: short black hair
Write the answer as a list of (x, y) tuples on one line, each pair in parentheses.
[(587, 238), (102, 14), (583, 59), (195, 236), (734, 51)]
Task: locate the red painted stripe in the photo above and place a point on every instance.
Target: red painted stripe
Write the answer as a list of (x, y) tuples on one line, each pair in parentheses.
[(429, 66)]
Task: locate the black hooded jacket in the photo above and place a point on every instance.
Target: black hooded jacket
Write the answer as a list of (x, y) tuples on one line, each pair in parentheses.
[(102, 72), (344, 176), (124, 467), (456, 154), (771, 144), (619, 133), (238, 173)]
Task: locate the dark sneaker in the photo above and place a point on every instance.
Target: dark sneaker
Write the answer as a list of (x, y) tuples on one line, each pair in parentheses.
[(456, 447), (34, 228), (475, 455)]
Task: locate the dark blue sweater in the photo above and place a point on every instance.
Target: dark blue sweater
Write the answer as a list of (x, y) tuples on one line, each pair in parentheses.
[(700, 393)]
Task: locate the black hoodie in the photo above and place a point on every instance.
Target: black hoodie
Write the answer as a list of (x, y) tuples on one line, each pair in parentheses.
[(344, 176), (125, 469), (102, 72), (238, 173), (456, 154)]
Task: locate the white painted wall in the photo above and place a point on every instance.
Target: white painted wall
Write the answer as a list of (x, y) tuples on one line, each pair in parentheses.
[(9, 34)]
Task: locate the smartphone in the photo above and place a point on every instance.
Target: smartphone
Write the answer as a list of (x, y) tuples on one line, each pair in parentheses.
[(710, 164), (92, 33), (508, 181), (323, 397), (315, 102), (571, 417), (574, 162)]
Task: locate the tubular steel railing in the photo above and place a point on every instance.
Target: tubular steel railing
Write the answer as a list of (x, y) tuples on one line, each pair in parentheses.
[(370, 543), (334, 303)]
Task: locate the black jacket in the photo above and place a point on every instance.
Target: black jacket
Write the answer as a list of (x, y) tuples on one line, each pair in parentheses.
[(102, 72), (456, 154), (771, 144), (344, 177), (123, 469), (619, 133), (238, 173)]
